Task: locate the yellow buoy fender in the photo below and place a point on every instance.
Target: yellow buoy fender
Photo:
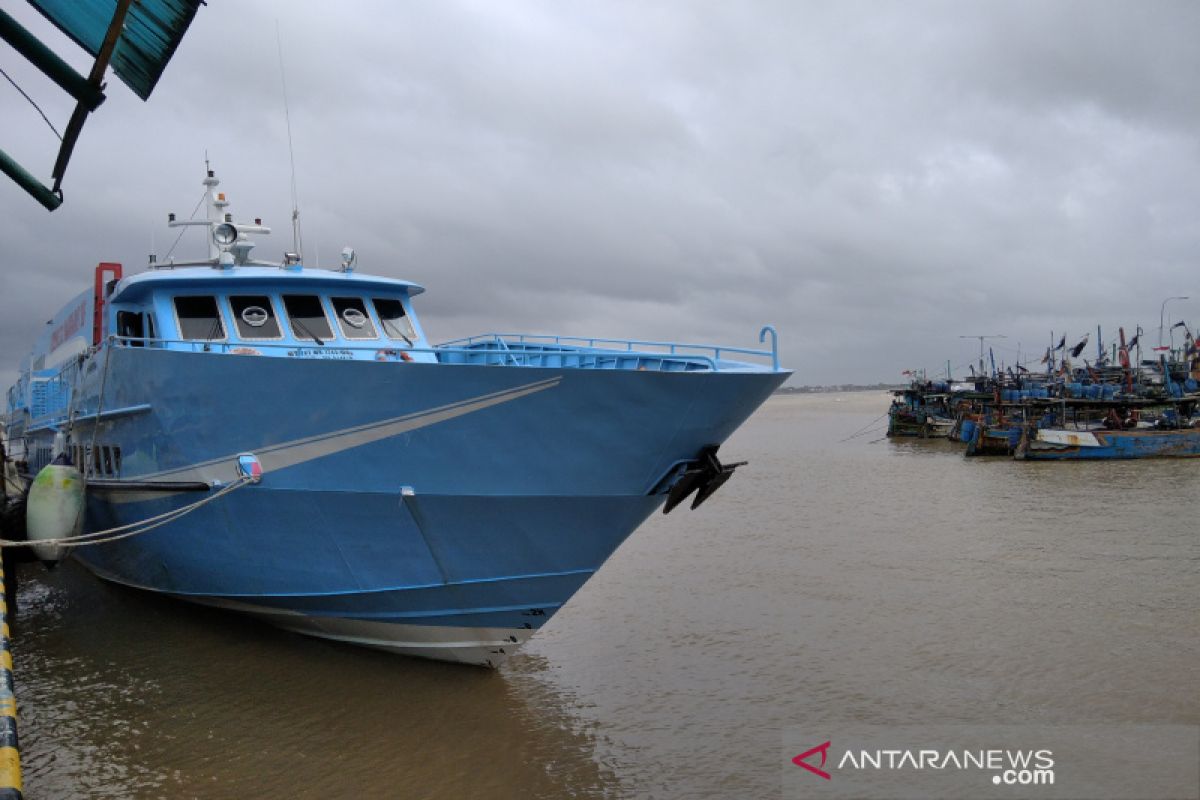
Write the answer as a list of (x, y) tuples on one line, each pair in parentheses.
[(54, 509)]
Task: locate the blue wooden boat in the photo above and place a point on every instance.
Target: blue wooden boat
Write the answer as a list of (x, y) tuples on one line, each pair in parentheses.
[(998, 439), (433, 500), (1055, 444), (921, 409)]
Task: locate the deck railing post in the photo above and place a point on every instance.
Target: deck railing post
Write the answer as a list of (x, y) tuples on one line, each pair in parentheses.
[(762, 337)]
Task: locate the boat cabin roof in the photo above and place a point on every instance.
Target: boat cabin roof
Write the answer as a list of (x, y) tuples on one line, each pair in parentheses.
[(136, 288)]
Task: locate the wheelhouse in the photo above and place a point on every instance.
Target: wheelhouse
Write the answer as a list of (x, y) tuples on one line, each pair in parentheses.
[(269, 312)]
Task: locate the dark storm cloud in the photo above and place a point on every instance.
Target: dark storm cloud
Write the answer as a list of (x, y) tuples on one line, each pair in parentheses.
[(875, 179)]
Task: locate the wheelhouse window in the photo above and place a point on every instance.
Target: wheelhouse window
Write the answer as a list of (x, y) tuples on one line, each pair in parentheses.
[(199, 318), (307, 316), (396, 324), (353, 319), (129, 325), (254, 317)]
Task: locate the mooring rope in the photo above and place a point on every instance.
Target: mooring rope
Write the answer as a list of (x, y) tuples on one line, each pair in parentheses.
[(73, 404), (864, 429), (92, 456), (874, 430), (132, 528)]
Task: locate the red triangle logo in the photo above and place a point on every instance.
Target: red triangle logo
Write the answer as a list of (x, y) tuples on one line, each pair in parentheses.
[(799, 760)]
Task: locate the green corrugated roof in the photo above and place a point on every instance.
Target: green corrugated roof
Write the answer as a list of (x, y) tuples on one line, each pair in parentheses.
[(153, 29)]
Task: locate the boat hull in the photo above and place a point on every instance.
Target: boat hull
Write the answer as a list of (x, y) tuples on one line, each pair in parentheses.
[(925, 427), (454, 577), (987, 440), (1068, 445), (444, 511)]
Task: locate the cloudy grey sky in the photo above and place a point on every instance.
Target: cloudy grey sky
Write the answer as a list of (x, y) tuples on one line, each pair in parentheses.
[(876, 179)]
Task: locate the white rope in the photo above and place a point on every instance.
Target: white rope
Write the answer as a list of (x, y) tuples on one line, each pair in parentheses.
[(165, 517), (73, 405), (93, 456), (863, 431), (124, 531)]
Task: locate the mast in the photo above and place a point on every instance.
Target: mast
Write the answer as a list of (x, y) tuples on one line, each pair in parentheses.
[(228, 244), (216, 203)]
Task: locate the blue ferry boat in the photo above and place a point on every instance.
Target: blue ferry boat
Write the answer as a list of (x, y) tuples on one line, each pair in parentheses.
[(441, 500)]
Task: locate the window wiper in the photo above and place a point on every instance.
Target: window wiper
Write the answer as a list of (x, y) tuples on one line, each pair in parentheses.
[(391, 327), (300, 326), (213, 330)]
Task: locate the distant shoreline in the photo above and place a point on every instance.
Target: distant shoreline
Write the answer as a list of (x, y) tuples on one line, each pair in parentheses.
[(843, 387)]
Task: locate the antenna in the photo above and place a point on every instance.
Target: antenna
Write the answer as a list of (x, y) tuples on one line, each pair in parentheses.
[(297, 242), (981, 338)]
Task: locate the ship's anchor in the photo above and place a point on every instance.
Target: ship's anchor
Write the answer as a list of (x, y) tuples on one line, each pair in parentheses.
[(703, 476)]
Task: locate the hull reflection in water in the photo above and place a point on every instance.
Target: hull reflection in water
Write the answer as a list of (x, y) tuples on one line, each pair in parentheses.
[(221, 706)]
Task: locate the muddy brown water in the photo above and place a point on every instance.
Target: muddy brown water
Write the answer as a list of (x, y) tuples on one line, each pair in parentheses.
[(884, 582)]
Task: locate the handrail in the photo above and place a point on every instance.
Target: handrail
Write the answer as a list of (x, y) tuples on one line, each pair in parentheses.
[(466, 347), (68, 372), (592, 342), (762, 335), (226, 346), (502, 345), (527, 350), (64, 377)]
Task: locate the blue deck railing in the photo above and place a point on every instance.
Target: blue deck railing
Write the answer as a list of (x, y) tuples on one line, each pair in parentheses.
[(534, 345), (52, 390), (517, 350)]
